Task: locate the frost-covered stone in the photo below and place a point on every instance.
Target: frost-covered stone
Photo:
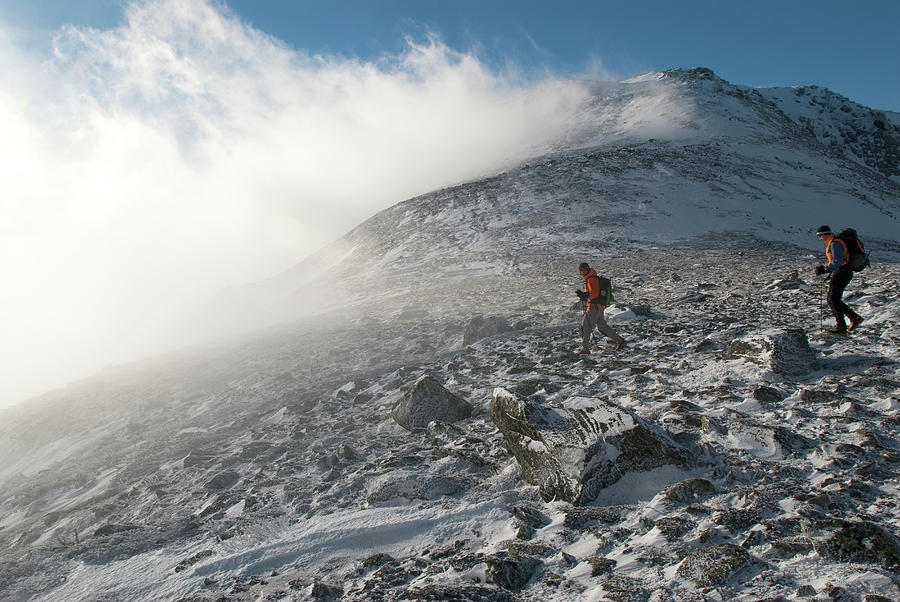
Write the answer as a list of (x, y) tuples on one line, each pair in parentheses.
[(673, 527), (767, 394), (428, 400), (324, 592), (861, 541), (689, 490), (601, 566), (785, 352), (574, 450), (620, 588), (480, 327), (736, 430), (714, 564), (531, 516), (581, 517), (413, 486), (511, 571)]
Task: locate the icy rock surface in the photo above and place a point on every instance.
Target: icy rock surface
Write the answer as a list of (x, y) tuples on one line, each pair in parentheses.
[(785, 352), (573, 449)]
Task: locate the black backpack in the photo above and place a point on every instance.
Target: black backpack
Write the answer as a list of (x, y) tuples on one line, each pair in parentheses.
[(859, 259)]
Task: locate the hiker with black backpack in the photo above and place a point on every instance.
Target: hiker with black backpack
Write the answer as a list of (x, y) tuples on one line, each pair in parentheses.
[(595, 297), (845, 254)]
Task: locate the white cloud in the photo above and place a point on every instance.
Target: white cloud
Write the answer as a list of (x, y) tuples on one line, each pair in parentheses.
[(150, 165)]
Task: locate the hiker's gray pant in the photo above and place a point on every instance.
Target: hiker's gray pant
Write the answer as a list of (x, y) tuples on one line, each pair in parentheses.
[(594, 317)]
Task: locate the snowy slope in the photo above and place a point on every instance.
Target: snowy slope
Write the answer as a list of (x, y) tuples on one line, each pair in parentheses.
[(868, 136), (662, 158), (268, 465)]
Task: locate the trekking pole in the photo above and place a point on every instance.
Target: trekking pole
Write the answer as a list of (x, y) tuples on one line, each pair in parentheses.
[(821, 305), (822, 301)]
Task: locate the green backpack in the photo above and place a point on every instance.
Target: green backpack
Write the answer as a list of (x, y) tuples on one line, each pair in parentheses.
[(606, 296)]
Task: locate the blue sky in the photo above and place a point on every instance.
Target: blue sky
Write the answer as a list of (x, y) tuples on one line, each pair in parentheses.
[(851, 48)]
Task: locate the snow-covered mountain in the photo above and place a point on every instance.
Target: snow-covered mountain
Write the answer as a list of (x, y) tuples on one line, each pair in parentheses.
[(865, 135), (273, 465), (680, 155)]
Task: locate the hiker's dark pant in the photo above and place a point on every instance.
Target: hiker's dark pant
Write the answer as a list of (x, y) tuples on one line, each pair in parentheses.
[(839, 282), (594, 317)]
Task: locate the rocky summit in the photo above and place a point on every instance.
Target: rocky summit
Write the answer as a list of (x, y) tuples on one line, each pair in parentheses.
[(438, 439)]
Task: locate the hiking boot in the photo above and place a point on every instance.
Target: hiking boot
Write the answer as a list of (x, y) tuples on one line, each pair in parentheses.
[(621, 344), (838, 330), (854, 322), (582, 351)]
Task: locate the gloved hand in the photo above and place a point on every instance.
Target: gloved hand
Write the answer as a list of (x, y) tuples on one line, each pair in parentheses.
[(820, 269), (581, 294)]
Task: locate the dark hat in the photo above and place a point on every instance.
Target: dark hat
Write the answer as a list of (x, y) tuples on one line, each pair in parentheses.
[(823, 230), (583, 266)]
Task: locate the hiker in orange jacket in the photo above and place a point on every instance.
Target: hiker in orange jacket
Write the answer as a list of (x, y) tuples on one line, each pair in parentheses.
[(838, 266), (596, 299)]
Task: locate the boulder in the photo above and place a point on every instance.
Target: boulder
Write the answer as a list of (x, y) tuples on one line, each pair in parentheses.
[(427, 400), (576, 448), (510, 570), (714, 565), (413, 486), (860, 541), (736, 430), (480, 327), (785, 352)]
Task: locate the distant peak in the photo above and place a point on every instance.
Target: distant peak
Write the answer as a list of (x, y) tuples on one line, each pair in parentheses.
[(697, 73), (690, 74)]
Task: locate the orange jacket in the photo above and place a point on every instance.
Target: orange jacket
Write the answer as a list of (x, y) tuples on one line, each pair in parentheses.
[(596, 297)]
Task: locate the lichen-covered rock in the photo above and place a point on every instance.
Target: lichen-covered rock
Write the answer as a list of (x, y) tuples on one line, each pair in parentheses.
[(581, 445), (580, 517), (688, 491), (785, 352), (511, 571), (600, 566), (531, 516), (624, 589), (767, 394), (457, 592), (673, 527), (427, 400), (860, 541), (714, 564), (539, 549), (324, 592)]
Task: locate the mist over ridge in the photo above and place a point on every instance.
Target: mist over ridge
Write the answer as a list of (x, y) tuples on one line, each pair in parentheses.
[(155, 163)]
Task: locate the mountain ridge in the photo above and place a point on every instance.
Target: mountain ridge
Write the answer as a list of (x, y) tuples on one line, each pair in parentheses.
[(744, 167)]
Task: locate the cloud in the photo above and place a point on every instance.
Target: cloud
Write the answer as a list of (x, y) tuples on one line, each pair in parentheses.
[(147, 166)]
